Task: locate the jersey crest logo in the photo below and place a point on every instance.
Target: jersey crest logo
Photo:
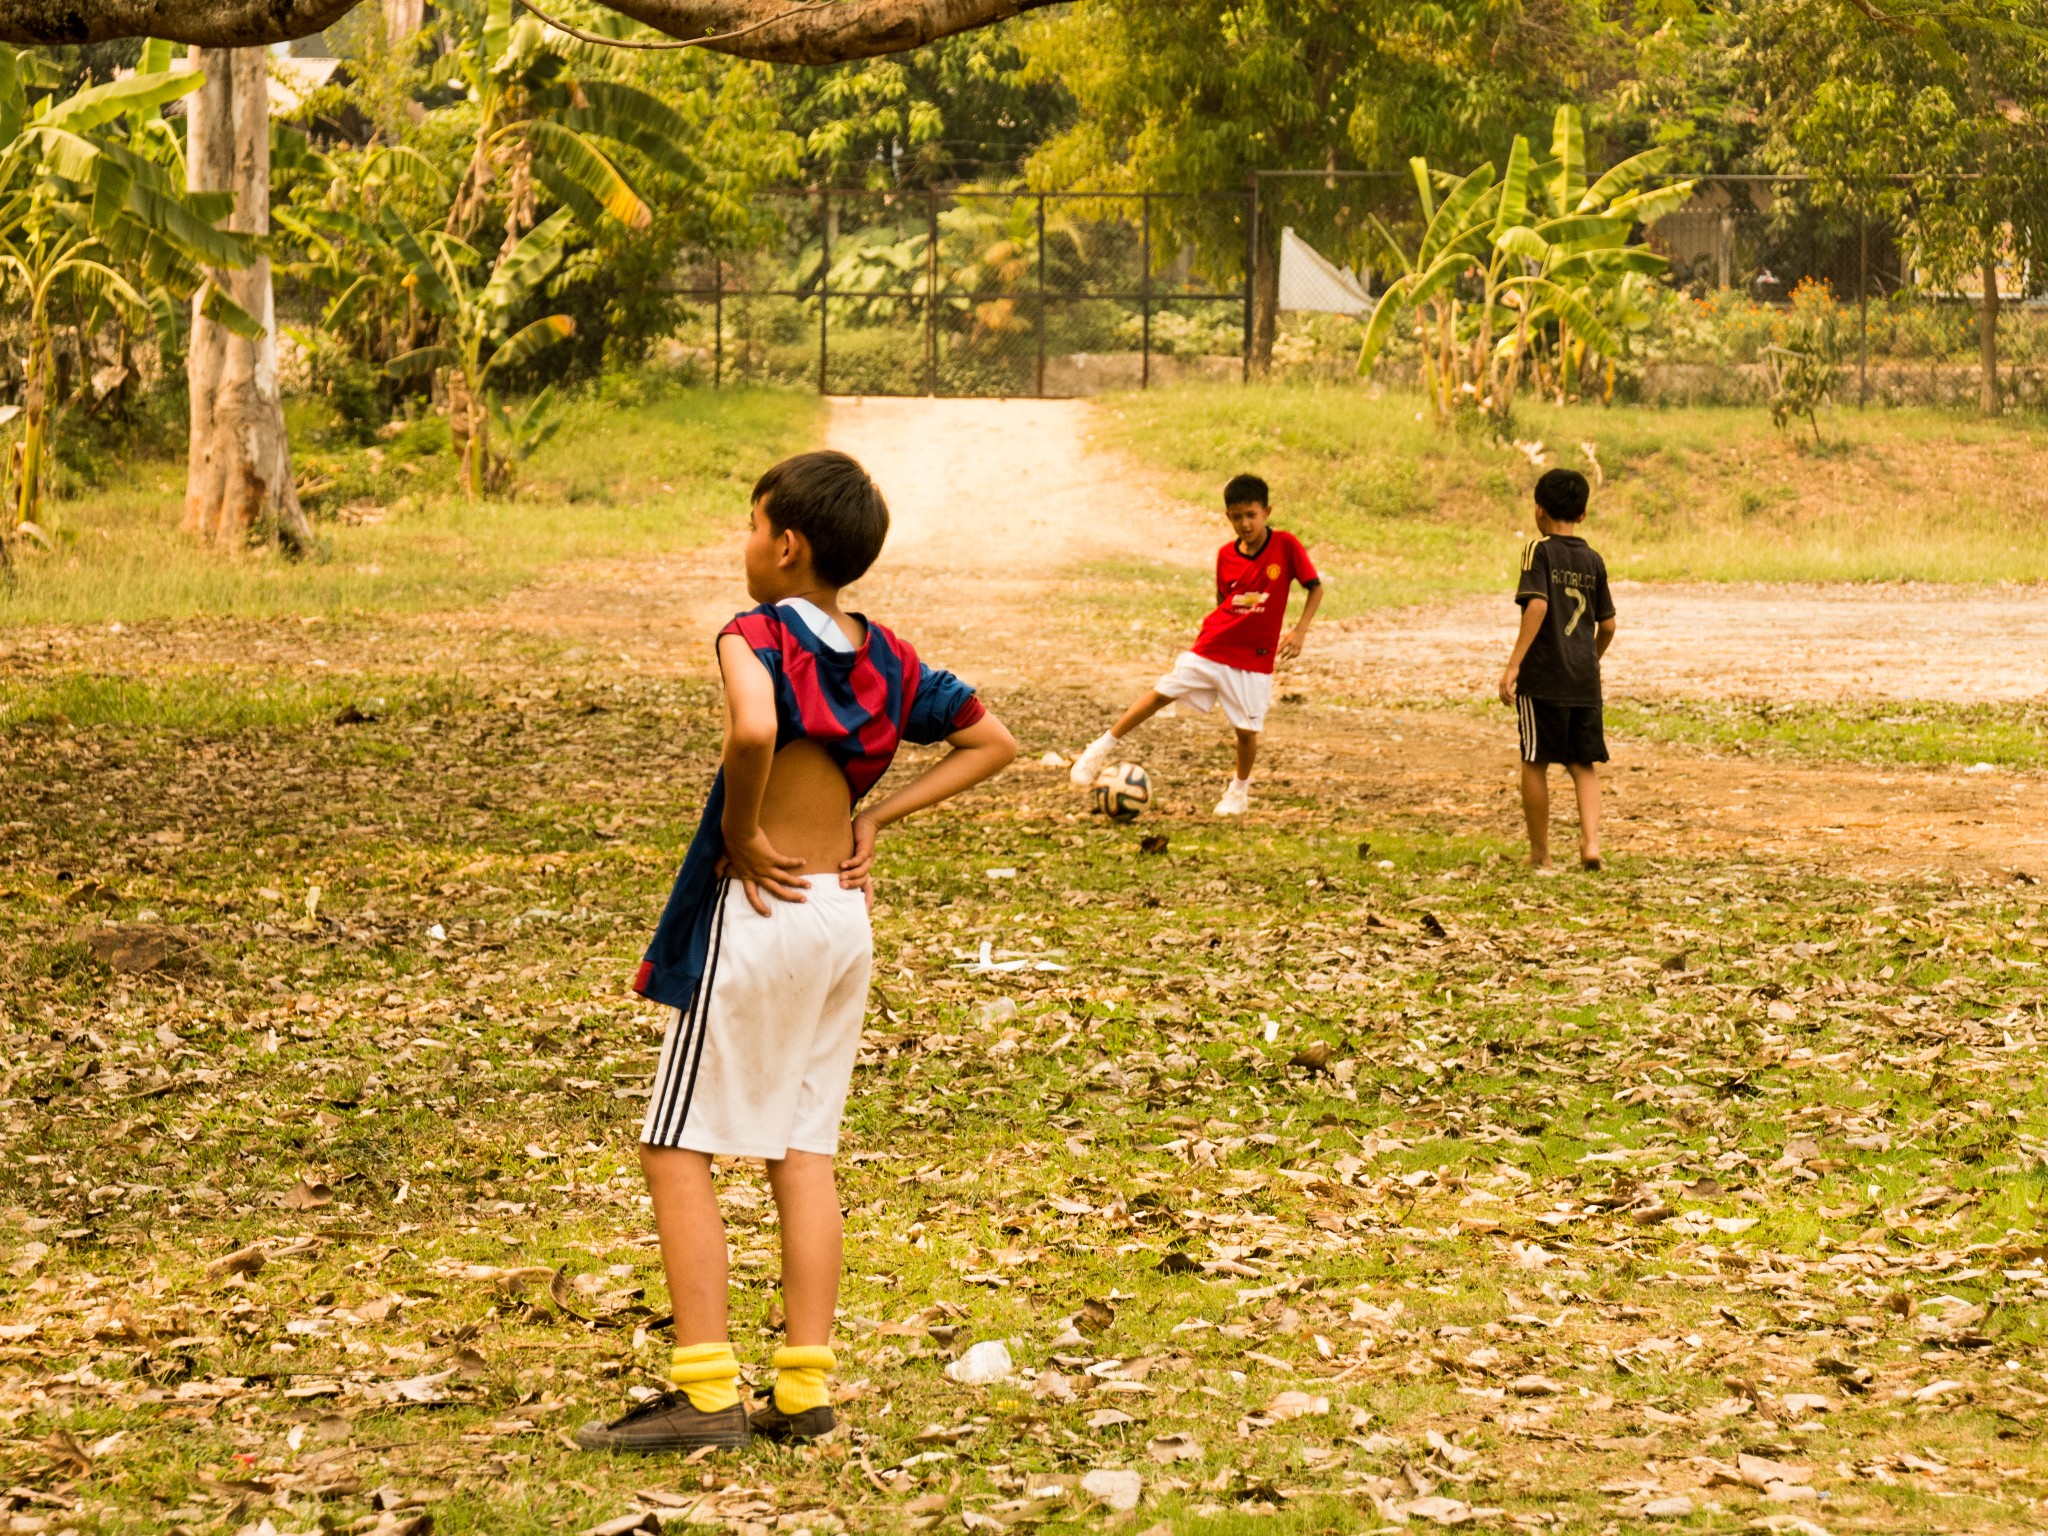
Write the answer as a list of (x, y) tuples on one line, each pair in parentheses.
[(1273, 571)]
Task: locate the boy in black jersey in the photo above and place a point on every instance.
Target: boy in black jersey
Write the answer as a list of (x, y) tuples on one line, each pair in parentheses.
[(1553, 675)]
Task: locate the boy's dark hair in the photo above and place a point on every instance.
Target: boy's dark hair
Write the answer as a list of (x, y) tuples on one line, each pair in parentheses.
[(1243, 488), (828, 498), (1562, 493)]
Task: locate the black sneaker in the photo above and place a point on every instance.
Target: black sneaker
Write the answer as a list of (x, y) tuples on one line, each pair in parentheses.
[(668, 1423), (768, 1422)]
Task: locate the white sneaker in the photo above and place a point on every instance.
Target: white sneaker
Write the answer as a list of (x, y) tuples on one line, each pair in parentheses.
[(1088, 766), (1236, 799)]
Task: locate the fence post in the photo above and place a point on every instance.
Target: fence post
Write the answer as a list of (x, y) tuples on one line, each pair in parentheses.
[(717, 322), (1862, 310), (824, 275), (1145, 287), (1040, 328), (1251, 258), (931, 291)]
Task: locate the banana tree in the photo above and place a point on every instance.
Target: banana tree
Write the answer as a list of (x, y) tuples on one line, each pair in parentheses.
[(1488, 261), (1609, 272), (475, 319), (541, 120), (87, 212)]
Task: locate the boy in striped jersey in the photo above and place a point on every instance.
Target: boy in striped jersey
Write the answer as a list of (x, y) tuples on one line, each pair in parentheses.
[(764, 949), (1553, 674)]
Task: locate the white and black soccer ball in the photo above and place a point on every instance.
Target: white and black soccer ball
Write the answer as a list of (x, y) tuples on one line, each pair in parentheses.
[(1123, 791)]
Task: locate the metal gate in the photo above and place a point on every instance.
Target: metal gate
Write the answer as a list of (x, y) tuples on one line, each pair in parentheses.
[(978, 293)]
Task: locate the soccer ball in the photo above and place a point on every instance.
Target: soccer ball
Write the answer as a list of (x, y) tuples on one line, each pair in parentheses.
[(1123, 791)]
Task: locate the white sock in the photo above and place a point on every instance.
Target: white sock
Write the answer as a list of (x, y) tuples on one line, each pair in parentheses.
[(1109, 739)]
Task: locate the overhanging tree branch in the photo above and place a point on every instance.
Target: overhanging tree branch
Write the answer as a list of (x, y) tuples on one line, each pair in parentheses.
[(772, 30)]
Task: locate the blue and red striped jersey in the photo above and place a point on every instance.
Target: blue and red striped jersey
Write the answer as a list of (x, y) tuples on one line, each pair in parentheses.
[(859, 705)]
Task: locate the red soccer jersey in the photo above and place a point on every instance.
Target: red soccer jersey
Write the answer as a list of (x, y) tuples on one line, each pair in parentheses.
[(1251, 601)]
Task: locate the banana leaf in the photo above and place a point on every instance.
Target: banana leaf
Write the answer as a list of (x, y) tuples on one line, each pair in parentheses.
[(13, 97), (1514, 189), (427, 283), (1392, 305), (1652, 203), (588, 210), (60, 151), (97, 281), (410, 365), (100, 104), (345, 302), (403, 159), (630, 115), (529, 264), (533, 339), (1450, 222), (224, 311), (157, 55), (1400, 257), (1623, 177), (1568, 150), (1582, 230), (335, 221), (497, 33), (1522, 241), (1604, 263), (176, 218), (1574, 312), (1419, 169), (584, 164)]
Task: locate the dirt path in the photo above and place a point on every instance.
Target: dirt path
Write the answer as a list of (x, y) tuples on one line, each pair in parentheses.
[(996, 502), (1001, 507), (1743, 641)]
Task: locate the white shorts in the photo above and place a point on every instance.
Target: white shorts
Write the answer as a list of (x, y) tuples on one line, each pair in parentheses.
[(1200, 683), (759, 1064)]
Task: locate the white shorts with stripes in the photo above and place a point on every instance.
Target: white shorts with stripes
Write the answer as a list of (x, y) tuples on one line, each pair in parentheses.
[(760, 1063)]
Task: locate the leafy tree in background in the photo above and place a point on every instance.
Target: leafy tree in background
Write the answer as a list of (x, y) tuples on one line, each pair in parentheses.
[(1943, 129), (968, 108), (1194, 95)]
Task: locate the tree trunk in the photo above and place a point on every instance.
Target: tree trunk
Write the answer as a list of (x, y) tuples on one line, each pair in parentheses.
[(402, 18), (239, 480), (1987, 341)]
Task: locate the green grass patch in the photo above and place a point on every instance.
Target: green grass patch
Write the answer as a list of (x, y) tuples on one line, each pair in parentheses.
[(621, 481), (2005, 735), (1408, 511), (215, 700)]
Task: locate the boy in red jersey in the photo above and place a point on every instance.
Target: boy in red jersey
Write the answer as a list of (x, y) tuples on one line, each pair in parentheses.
[(1231, 661), (763, 952)]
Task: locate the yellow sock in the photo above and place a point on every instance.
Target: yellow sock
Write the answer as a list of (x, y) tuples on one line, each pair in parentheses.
[(800, 1376), (708, 1375)]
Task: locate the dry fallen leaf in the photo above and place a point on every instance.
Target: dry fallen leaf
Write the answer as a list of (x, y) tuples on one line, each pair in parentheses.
[(243, 1261)]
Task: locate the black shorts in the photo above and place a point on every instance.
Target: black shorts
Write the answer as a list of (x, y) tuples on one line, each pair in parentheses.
[(1560, 733)]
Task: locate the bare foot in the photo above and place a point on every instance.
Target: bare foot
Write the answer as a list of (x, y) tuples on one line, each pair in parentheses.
[(1592, 862)]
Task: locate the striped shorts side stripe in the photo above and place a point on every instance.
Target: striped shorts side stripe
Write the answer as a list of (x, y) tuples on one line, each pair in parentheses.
[(1525, 719), (669, 1106)]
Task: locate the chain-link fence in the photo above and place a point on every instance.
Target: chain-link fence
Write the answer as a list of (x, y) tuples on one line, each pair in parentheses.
[(1756, 263), (978, 293), (968, 292)]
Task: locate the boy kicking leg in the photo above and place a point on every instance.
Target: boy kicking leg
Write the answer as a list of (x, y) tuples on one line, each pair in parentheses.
[(1231, 661)]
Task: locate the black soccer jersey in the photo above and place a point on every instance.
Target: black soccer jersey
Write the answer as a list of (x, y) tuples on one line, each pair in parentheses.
[(1563, 663)]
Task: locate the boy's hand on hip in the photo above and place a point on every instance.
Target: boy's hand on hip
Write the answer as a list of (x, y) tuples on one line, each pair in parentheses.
[(856, 870), (1507, 686), (754, 862)]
